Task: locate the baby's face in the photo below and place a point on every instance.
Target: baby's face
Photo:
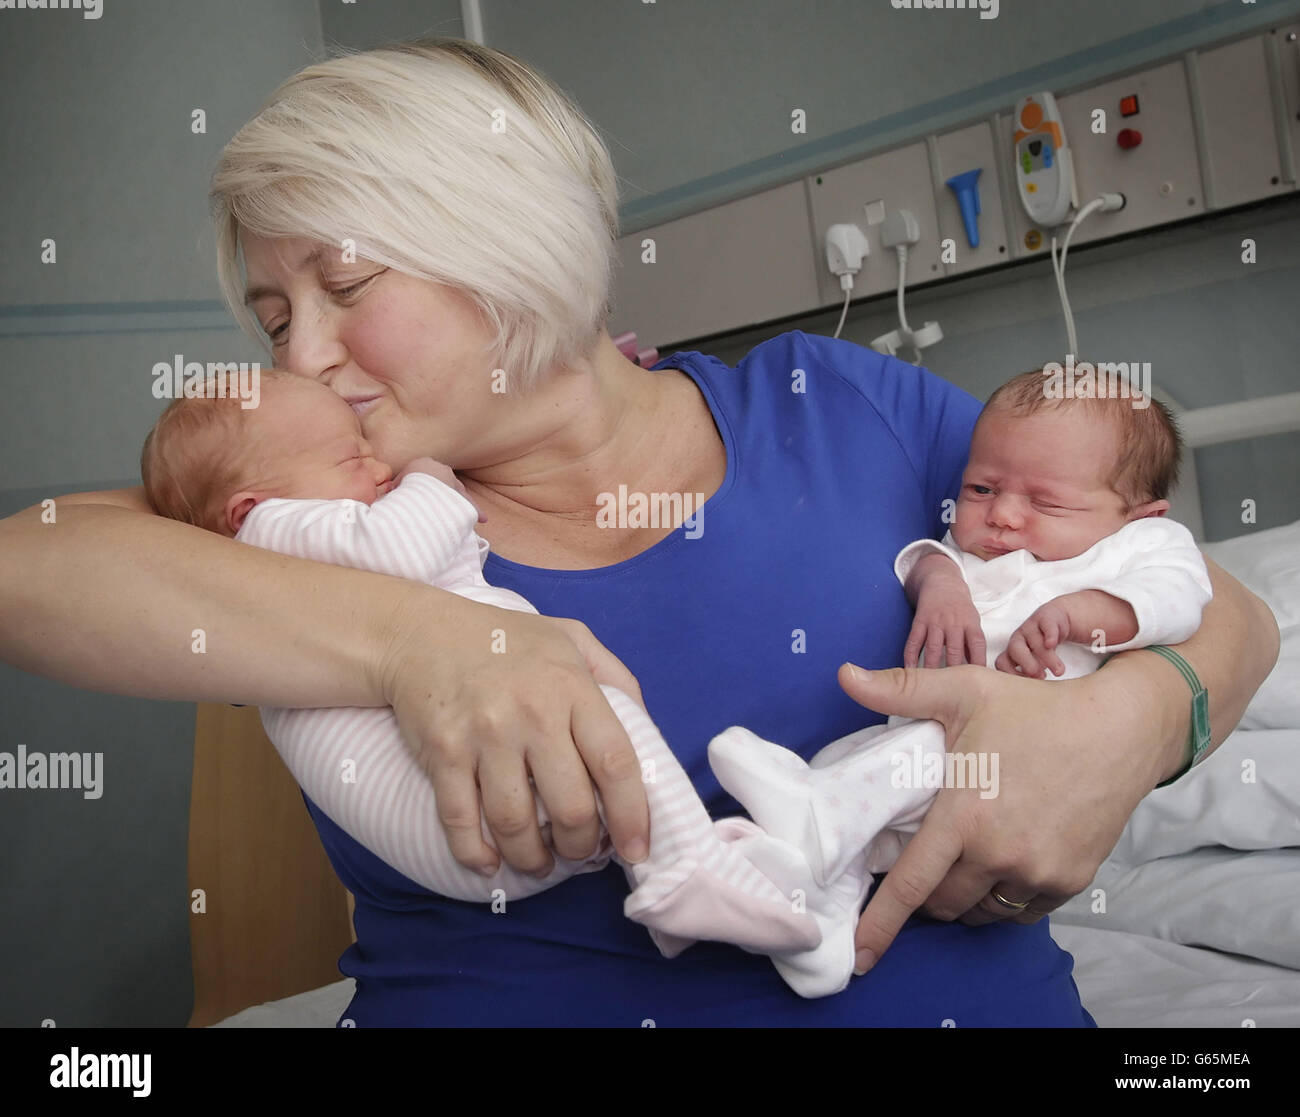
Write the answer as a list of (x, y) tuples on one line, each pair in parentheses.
[(1038, 483), (309, 446)]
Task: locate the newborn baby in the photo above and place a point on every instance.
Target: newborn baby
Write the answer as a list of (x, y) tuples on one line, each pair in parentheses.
[(296, 475), (1058, 556)]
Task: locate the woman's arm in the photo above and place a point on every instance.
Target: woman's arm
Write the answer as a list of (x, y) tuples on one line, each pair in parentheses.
[(1075, 759), (108, 596)]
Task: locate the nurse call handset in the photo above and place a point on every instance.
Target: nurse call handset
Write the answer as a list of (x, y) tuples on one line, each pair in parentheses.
[(1044, 164)]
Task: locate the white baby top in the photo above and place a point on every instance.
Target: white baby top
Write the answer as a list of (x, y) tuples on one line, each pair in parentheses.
[(1152, 563)]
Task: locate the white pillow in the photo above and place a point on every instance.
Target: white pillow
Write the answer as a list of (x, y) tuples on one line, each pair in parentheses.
[(1268, 564)]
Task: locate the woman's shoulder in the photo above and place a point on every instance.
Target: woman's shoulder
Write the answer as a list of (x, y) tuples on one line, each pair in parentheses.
[(837, 378)]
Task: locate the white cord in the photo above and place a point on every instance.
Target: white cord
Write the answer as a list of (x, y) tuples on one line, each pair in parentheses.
[(848, 291), (1058, 268), (901, 249)]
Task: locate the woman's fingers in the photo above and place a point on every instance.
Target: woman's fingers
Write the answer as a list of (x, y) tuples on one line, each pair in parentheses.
[(487, 727), (458, 811), (923, 864), (565, 787), (608, 754), (510, 809)]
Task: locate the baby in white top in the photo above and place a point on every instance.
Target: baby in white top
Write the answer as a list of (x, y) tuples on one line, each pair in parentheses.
[(1059, 555)]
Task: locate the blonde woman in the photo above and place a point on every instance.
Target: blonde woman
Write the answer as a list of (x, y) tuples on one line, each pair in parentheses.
[(428, 230)]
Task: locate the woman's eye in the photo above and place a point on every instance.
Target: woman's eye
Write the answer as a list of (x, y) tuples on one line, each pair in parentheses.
[(980, 490), (352, 288), (275, 335)]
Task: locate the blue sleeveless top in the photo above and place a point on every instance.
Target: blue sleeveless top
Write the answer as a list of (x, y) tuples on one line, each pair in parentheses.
[(836, 457)]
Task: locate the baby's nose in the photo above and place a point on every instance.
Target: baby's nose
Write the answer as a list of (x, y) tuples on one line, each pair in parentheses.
[(1004, 511)]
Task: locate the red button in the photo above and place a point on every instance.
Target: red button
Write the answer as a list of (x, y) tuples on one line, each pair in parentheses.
[(1128, 106), (1129, 137)]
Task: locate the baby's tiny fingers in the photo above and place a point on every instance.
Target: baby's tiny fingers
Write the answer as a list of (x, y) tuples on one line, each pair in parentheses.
[(1023, 657)]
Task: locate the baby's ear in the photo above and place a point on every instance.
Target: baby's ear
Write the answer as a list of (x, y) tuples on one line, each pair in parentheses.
[(1151, 508), (237, 509)]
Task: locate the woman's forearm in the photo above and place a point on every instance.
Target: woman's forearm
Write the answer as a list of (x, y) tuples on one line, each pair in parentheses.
[(110, 599), (1232, 653)]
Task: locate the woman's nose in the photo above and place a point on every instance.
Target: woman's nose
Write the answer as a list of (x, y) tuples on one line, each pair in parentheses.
[(315, 347)]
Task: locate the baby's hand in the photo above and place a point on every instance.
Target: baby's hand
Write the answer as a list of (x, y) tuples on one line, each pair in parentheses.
[(945, 621), (443, 473), (1030, 650)]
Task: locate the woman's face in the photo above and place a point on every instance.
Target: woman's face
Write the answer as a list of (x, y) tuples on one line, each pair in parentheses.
[(408, 355)]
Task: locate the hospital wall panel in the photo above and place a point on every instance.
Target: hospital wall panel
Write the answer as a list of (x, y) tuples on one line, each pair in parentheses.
[(864, 193), (726, 267), (955, 153), (1239, 162)]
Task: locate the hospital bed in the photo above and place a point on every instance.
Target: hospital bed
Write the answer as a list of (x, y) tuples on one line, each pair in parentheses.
[(1193, 920)]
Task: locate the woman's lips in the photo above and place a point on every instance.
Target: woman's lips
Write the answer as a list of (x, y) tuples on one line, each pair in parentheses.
[(363, 404)]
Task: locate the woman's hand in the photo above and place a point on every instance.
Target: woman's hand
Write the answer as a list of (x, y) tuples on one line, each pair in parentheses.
[(1072, 765), (488, 698)]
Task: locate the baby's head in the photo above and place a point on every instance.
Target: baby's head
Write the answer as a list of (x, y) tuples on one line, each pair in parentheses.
[(1056, 476), (209, 461)]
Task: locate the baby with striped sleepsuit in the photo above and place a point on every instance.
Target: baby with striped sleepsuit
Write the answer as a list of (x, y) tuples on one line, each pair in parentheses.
[(295, 475)]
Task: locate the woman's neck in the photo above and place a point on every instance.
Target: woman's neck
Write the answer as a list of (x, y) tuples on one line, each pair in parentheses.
[(599, 424)]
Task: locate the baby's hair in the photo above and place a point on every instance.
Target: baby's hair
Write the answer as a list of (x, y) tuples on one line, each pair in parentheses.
[(196, 453), (1150, 446)]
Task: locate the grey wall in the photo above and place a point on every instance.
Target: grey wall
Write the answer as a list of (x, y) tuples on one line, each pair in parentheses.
[(695, 98), (99, 155)]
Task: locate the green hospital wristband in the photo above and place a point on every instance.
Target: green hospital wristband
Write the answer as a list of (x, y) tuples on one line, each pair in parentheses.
[(1199, 737)]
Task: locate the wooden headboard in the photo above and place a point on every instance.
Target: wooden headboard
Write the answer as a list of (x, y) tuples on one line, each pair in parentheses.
[(277, 918)]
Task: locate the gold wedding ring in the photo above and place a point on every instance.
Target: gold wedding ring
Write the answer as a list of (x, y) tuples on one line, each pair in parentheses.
[(1007, 903)]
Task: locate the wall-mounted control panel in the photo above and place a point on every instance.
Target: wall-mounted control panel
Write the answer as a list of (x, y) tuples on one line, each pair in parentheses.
[(1207, 130)]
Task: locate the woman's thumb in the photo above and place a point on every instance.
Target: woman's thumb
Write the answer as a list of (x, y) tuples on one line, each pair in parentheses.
[(913, 692)]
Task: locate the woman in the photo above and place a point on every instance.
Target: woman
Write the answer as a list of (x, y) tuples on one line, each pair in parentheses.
[(428, 230)]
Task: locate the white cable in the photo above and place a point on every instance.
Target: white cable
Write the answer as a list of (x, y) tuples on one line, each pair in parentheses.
[(901, 249), (848, 291), (1106, 202), (1059, 272)]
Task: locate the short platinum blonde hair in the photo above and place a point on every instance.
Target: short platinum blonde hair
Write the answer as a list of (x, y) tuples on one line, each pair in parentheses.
[(445, 160)]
